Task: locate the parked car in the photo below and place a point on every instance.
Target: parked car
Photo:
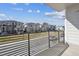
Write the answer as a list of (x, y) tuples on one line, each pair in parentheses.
[(4, 33)]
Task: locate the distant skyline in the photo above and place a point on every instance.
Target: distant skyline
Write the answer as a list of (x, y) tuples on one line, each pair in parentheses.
[(31, 12)]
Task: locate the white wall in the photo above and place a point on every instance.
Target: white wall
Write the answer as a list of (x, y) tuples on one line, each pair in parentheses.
[(72, 24)]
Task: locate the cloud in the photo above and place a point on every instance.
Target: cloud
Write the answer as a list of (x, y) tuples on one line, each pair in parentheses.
[(50, 13), (62, 13), (1, 14), (0, 19), (4, 17), (38, 11), (30, 11), (35, 11), (57, 15), (18, 9), (14, 3)]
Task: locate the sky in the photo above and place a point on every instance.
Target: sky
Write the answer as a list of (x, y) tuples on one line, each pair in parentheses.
[(31, 12)]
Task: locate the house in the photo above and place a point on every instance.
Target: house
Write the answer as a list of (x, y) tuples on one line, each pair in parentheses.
[(38, 27), (30, 27), (19, 27), (52, 27), (61, 28), (11, 27), (45, 27)]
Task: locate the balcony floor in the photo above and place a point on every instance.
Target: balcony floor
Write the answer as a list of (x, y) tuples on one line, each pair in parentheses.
[(56, 50), (72, 50)]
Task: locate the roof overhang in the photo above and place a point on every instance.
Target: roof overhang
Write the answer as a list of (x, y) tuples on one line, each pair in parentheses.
[(59, 6)]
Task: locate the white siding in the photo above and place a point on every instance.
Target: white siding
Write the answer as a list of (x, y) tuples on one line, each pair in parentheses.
[(72, 24)]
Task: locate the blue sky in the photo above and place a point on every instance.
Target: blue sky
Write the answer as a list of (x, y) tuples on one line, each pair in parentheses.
[(33, 12)]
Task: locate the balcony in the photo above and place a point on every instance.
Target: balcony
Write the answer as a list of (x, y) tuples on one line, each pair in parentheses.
[(34, 44)]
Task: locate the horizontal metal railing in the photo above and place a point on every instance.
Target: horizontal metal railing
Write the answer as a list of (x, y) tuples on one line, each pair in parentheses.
[(27, 44), (16, 48)]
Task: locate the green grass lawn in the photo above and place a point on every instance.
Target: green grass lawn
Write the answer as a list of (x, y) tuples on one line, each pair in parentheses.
[(14, 38)]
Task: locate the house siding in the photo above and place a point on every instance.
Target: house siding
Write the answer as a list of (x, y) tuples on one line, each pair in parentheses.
[(72, 24)]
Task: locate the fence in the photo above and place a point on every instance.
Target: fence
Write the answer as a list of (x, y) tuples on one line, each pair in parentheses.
[(29, 44)]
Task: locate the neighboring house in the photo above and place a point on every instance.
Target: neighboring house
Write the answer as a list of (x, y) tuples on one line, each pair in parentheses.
[(11, 27), (33, 27), (45, 27), (61, 28), (19, 27), (52, 27), (38, 27), (30, 27)]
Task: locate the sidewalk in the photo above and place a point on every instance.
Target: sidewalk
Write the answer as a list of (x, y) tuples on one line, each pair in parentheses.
[(56, 50)]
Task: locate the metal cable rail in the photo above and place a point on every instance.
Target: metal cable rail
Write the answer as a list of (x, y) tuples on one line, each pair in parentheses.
[(32, 45)]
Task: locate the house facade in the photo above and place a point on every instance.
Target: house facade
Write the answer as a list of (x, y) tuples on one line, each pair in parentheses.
[(45, 27), (30, 27), (11, 27), (61, 28), (52, 27), (36, 27)]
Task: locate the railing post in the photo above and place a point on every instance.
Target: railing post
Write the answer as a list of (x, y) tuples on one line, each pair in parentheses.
[(63, 37), (48, 39), (28, 44), (58, 36)]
